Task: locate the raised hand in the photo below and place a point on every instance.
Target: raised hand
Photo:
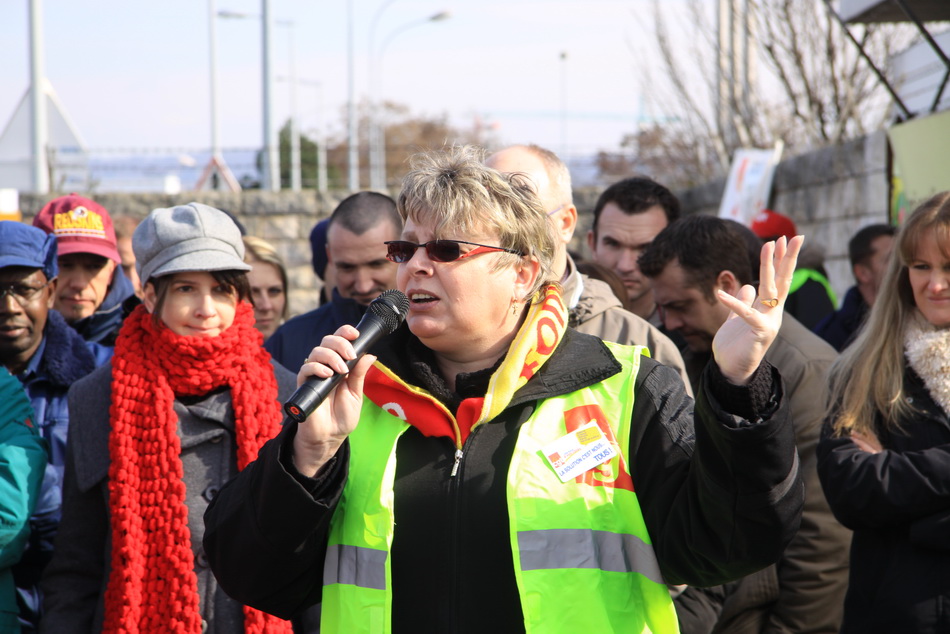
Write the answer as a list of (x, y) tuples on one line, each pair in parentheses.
[(320, 436), (741, 342)]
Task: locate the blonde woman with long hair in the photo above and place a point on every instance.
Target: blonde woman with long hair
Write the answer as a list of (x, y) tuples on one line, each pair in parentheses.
[(884, 458)]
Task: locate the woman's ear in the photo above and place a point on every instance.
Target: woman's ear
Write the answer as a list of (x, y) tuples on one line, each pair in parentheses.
[(149, 298)]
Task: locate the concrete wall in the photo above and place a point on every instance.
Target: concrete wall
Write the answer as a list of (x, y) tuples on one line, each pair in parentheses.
[(829, 194), (282, 218)]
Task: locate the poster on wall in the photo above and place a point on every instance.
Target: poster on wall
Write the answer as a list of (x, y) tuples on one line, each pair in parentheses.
[(921, 150), (750, 183)]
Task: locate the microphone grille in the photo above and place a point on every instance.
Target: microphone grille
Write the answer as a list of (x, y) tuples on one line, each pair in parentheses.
[(391, 307)]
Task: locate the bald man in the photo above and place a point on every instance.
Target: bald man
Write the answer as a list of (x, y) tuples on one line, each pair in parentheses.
[(594, 309)]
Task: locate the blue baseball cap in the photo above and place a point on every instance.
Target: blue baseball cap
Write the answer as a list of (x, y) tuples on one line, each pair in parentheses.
[(23, 245)]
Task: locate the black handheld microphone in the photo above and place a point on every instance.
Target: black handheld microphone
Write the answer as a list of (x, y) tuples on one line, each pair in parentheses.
[(383, 315)]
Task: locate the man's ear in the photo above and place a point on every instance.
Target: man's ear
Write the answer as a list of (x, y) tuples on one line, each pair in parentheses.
[(862, 274), (51, 289), (591, 240), (115, 267), (728, 282), (565, 222)]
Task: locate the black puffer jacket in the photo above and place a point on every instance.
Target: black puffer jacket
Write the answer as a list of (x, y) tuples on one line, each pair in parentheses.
[(897, 502), (718, 504)]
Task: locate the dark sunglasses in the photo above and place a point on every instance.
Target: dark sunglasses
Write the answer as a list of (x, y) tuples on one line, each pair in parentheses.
[(401, 251)]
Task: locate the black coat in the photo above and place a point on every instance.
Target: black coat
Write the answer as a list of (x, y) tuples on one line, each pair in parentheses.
[(897, 502), (718, 504)]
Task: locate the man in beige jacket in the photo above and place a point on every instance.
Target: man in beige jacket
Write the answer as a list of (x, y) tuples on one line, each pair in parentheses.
[(804, 593), (594, 309)]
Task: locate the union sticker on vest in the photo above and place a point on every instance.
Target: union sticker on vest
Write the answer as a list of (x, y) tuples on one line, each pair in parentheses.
[(579, 451)]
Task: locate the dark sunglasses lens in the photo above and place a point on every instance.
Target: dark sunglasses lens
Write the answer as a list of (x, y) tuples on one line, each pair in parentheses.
[(443, 250), (400, 251)]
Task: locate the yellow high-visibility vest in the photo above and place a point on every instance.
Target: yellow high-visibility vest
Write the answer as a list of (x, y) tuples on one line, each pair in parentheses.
[(583, 558)]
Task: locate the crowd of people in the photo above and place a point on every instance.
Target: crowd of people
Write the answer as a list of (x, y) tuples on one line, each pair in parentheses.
[(681, 432)]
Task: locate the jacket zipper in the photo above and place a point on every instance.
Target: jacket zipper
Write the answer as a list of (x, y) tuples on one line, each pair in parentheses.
[(455, 467), (455, 487)]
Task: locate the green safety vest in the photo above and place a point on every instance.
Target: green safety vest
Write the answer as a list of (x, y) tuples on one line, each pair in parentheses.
[(801, 276), (583, 558)]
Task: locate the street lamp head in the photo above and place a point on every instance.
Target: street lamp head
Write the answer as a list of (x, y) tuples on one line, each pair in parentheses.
[(440, 16), (238, 15)]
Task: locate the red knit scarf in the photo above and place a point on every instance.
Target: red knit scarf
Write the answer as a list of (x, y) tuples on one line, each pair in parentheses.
[(153, 586)]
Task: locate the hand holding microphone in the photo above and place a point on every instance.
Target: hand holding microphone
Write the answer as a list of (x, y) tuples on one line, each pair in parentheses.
[(383, 316)]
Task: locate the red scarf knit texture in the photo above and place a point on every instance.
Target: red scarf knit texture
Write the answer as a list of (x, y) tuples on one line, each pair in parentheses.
[(153, 586)]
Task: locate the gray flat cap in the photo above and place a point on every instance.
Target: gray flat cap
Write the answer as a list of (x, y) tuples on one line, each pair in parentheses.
[(192, 237)]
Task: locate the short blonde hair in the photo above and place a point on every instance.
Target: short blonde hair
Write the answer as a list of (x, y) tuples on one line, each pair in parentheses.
[(457, 194), (260, 250)]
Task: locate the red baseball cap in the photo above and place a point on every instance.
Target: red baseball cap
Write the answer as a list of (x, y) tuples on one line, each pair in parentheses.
[(769, 225), (80, 226)]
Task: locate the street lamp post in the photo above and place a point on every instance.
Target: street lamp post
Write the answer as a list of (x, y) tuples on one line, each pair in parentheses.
[(39, 131), (564, 105), (375, 106), (378, 136), (213, 59), (321, 137), (295, 179), (352, 142), (272, 142)]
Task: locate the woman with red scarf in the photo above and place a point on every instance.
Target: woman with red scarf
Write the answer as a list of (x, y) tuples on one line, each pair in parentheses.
[(188, 399)]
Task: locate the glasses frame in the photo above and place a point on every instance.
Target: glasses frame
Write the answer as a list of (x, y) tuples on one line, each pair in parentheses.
[(7, 289), (431, 245)]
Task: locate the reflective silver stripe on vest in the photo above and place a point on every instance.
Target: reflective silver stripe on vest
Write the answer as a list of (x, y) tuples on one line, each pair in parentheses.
[(356, 566), (584, 548)]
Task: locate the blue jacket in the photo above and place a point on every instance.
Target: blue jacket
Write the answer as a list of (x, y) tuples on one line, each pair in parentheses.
[(63, 358), (103, 325), (294, 340), (22, 458), (840, 327)]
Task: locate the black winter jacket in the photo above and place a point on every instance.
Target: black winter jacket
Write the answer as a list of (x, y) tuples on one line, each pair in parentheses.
[(897, 502), (718, 504)]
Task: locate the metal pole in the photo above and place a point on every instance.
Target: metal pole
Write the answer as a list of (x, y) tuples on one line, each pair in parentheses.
[(295, 178), (321, 144), (877, 72), (40, 122), (376, 159), (353, 182), (380, 135), (564, 105), (271, 141), (213, 59)]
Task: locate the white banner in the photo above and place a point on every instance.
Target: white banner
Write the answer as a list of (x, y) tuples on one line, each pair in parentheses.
[(750, 182)]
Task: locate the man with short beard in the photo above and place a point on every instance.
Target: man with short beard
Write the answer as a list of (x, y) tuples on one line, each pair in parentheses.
[(688, 263)]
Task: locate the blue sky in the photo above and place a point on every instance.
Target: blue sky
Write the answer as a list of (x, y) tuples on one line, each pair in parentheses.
[(134, 74)]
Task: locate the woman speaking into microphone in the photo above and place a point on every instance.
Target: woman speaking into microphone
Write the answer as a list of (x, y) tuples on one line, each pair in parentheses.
[(491, 469)]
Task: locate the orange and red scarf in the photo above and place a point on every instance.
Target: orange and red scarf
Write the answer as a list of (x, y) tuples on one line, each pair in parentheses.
[(153, 586), (533, 345)]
